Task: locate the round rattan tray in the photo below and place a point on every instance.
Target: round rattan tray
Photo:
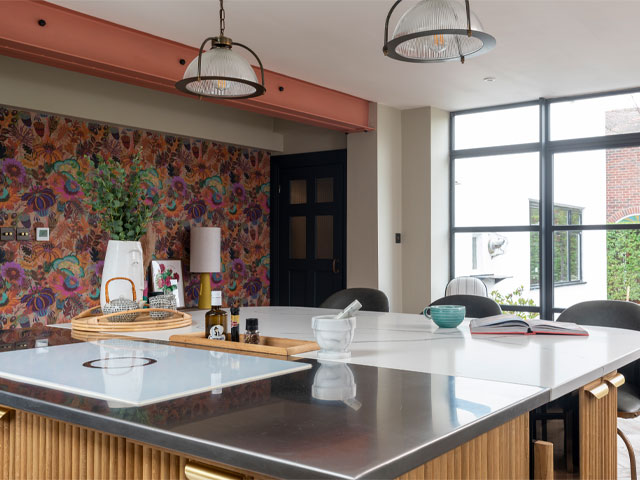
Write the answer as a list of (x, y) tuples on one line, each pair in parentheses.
[(93, 320)]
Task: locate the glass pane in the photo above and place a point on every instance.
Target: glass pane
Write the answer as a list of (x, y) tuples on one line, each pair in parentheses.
[(324, 236), (505, 262), (594, 117), (324, 190), (496, 190), (603, 265), (509, 126), (298, 237), (298, 191), (597, 187)]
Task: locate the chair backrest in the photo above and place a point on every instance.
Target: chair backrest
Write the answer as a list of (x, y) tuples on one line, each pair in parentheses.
[(372, 300), (466, 286), (476, 306), (604, 313), (608, 313)]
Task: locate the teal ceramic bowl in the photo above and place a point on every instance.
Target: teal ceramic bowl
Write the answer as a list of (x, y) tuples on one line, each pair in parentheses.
[(445, 316)]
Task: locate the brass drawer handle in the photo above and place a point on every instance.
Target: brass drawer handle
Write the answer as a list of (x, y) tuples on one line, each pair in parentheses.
[(4, 411), (617, 380), (599, 391), (194, 471)]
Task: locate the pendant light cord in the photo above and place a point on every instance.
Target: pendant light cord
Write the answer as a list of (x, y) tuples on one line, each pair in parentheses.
[(222, 25)]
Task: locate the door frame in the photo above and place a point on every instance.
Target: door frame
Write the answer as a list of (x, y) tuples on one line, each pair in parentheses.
[(312, 159)]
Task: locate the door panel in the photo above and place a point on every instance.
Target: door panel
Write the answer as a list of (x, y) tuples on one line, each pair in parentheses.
[(308, 227)]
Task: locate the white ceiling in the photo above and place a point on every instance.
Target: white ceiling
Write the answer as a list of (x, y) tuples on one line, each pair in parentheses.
[(544, 48)]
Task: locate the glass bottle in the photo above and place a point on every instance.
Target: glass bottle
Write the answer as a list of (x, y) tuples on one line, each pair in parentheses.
[(235, 324), (252, 334), (215, 320)]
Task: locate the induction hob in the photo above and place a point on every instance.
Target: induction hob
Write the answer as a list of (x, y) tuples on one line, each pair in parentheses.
[(129, 373)]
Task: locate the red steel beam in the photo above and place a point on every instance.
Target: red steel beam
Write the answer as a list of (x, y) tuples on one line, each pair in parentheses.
[(90, 45)]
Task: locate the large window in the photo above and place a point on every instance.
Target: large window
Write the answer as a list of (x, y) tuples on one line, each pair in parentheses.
[(567, 254), (546, 201)]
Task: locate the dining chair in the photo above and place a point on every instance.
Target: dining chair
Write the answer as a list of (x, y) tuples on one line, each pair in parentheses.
[(616, 314), (466, 286), (475, 305), (372, 300)]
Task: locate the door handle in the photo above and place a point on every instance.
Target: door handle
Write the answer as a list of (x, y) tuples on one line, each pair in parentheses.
[(599, 391), (334, 266), (616, 381), (194, 471)]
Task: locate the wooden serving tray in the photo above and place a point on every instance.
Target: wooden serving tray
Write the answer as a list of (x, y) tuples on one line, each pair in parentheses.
[(93, 321), (269, 345)]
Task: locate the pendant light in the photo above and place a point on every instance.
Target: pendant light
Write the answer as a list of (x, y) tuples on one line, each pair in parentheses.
[(436, 31), (221, 72)]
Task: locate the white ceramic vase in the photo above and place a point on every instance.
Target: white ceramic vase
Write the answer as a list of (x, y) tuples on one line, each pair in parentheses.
[(123, 259)]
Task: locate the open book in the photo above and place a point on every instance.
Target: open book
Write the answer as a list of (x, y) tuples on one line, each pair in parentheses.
[(507, 324)]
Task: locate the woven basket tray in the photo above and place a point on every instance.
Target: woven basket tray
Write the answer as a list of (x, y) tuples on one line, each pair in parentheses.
[(93, 320)]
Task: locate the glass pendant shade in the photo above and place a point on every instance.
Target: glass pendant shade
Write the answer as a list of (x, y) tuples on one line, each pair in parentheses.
[(437, 31), (227, 67), (220, 72)]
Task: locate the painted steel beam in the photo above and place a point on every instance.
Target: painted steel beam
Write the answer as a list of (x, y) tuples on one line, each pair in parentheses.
[(81, 43)]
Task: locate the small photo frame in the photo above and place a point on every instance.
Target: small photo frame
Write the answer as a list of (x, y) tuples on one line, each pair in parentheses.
[(167, 277)]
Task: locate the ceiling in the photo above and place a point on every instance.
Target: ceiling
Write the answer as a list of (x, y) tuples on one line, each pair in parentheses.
[(544, 48)]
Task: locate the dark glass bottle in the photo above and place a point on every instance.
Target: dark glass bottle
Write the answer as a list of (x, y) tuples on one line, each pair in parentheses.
[(215, 320), (235, 324)]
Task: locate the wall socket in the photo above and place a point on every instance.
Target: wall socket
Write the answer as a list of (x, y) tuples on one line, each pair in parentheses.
[(23, 234), (7, 234)]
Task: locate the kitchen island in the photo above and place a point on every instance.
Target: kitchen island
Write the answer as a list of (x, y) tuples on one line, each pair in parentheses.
[(413, 398)]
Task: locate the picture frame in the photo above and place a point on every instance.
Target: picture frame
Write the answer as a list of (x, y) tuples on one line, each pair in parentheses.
[(163, 273)]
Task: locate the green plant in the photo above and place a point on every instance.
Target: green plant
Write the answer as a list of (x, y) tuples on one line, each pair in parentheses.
[(515, 298), (623, 264), (119, 196)]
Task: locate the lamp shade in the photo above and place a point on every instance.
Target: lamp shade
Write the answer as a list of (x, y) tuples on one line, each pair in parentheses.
[(205, 250)]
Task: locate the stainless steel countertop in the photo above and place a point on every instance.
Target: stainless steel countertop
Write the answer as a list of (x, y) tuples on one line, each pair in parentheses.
[(334, 420)]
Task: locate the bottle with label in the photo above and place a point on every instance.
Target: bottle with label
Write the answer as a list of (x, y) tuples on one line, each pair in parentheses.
[(235, 324), (215, 320)]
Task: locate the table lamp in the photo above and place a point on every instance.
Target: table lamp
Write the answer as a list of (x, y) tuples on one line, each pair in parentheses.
[(205, 260)]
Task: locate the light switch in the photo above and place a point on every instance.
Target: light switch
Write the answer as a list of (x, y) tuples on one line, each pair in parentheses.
[(7, 234), (23, 234)]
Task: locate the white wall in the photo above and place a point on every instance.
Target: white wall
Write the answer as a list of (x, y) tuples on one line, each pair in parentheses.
[(389, 185), (301, 138), (398, 182), (416, 214), (362, 213), (38, 87)]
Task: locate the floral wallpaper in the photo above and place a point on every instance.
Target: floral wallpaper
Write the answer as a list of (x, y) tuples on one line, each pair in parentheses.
[(198, 182)]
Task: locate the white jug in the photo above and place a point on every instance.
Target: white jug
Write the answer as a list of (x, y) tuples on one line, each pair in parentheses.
[(123, 259)]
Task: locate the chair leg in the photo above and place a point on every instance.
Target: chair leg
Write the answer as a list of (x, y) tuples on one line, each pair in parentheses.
[(632, 455)]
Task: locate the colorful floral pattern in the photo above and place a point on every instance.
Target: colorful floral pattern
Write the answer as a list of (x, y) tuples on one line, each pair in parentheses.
[(199, 182)]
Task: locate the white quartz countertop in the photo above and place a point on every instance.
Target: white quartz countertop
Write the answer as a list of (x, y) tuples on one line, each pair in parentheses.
[(413, 342)]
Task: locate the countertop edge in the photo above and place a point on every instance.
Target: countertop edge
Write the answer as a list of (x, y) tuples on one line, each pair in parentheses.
[(434, 449), (240, 459)]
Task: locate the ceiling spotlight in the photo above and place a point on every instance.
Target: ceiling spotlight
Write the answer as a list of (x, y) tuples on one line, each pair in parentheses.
[(221, 72), (436, 31), (489, 79)]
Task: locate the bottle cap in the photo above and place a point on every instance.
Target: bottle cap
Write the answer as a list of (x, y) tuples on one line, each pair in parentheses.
[(234, 311), (252, 324), (216, 298)]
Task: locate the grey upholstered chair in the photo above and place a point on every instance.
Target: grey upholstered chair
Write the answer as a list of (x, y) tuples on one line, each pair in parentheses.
[(617, 314), (475, 305), (372, 300), (466, 286)]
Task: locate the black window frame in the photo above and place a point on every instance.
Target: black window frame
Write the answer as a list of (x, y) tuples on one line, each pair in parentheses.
[(546, 149), (569, 209)]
